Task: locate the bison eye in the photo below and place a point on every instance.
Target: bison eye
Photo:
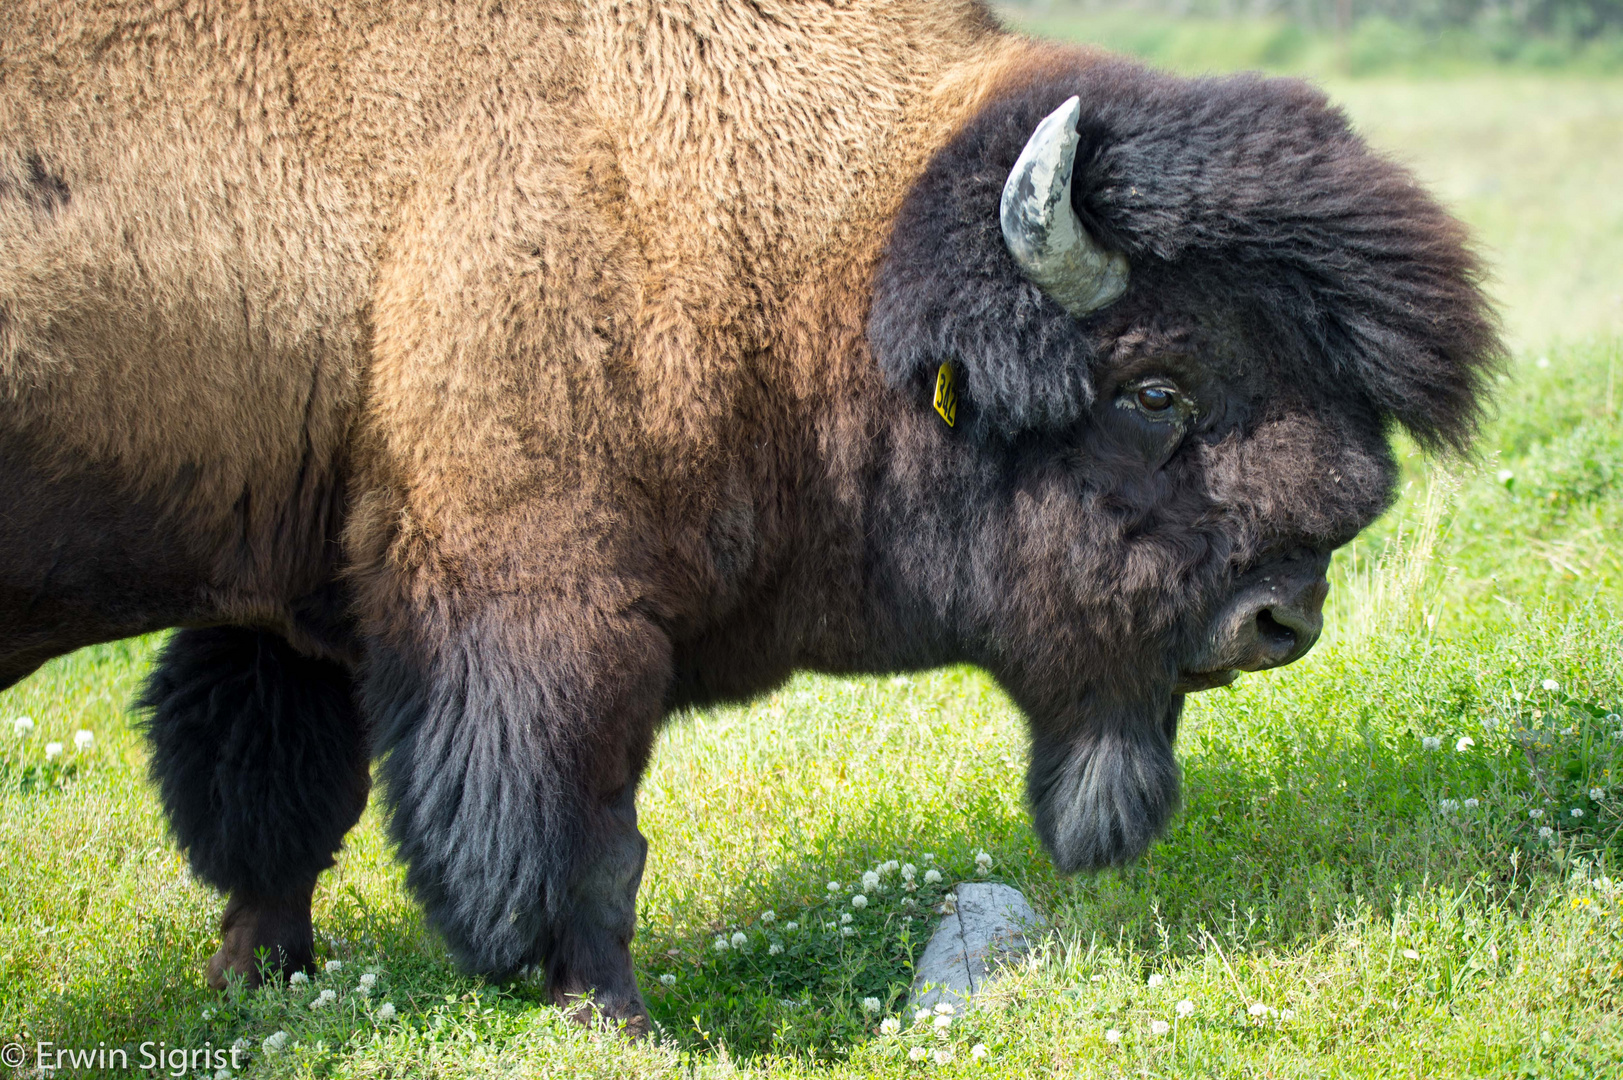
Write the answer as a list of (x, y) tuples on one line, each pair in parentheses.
[(1155, 399)]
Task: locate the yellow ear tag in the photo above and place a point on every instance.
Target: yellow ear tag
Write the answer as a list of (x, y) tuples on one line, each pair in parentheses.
[(946, 395)]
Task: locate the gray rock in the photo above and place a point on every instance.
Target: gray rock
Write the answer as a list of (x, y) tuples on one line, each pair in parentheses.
[(988, 928)]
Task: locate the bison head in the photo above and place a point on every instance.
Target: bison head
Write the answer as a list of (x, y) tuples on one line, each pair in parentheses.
[(1182, 317)]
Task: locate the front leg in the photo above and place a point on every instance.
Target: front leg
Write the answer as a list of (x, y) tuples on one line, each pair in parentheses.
[(514, 740)]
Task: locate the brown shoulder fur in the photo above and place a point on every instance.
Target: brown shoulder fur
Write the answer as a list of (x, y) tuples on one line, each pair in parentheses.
[(529, 235)]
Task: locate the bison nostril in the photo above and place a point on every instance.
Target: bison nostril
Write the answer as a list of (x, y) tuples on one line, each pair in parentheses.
[(1277, 638)]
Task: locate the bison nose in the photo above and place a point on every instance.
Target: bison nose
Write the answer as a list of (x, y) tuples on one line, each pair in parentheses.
[(1272, 632), (1273, 620)]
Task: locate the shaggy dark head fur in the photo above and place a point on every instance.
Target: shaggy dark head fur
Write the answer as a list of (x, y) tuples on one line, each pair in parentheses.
[(1254, 191), (1292, 294)]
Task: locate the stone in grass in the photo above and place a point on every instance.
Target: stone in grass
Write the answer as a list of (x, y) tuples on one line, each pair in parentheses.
[(988, 928)]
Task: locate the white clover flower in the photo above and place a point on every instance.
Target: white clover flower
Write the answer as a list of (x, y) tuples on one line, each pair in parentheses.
[(889, 1026), (720, 944), (1596, 794), (1576, 812), (943, 1057), (323, 999), (739, 939), (1550, 684), (1287, 1014), (942, 1023), (932, 876), (774, 949), (918, 1053), (889, 866), (870, 880), (1186, 1008), (845, 918), (22, 726), (241, 1045), (1569, 730), (334, 965), (859, 901), (928, 857), (298, 978), (369, 980), (944, 1008), (833, 886), (1545, 832), (910, 885), (364, 990), (1156, 979), (1257, 1008), (983, 862), (667, 979), (1472, 804), (1504, 476), (790, 927), (908, 870), (870, 1004), (1535, 813), (276, 1043), (222, 1073), (979, 1051), (385, 1012), (1465, 743), (53, 750), (1431, 742), (831, 927), (769, 916), (1410, 954), (1112, 1035), (1448, 806), (848, 931), (1159, 1027), (83, 740)]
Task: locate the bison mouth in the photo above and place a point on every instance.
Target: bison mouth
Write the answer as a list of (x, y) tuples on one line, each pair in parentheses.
[(1193, 682)]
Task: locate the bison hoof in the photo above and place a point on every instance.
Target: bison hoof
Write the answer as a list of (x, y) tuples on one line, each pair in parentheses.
[(263, 937), (608, 1011)]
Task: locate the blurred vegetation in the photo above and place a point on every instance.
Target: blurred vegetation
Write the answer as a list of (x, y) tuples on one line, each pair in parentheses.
[(1356, 37)]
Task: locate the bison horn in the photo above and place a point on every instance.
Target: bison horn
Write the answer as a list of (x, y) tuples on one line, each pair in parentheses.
[(1041, 228)]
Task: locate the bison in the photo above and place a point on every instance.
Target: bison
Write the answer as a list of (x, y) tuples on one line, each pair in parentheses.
[(475, 384)]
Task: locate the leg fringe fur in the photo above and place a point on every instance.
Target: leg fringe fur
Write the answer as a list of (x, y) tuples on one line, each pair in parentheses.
[(260, 756)]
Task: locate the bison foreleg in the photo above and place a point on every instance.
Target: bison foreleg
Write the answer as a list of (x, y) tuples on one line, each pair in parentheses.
[(512, 749), (261, 761)]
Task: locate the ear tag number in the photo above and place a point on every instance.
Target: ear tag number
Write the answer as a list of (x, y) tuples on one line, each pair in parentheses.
[(946, 395)]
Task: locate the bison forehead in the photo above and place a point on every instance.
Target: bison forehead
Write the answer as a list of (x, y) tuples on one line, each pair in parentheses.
[(1252, 192)]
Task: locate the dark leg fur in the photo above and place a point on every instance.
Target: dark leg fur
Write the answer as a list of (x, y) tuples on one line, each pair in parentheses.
[(512, 757), (593, 955), (260, 757)]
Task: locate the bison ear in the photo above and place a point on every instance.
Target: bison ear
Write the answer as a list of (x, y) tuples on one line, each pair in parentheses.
[(988, 268)]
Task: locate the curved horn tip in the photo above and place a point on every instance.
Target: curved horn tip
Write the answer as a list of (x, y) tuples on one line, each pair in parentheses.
[(1041, 229)]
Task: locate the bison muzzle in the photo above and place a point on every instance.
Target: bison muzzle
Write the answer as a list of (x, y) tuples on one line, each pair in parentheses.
[(474, 386)]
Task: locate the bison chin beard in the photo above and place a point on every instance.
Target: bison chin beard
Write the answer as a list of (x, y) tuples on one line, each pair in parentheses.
[(1101, 793)]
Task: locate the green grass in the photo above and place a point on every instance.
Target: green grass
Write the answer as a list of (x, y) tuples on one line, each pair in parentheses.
[(1327, 868)]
